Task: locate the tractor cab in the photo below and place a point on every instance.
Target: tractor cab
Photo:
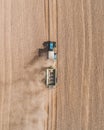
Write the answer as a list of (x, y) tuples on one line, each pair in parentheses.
[(51, 50)]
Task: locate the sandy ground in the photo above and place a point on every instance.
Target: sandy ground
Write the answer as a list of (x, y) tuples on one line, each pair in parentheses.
[(78, 28)]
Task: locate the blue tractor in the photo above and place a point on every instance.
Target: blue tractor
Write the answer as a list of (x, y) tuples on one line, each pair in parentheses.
[(50, 48)]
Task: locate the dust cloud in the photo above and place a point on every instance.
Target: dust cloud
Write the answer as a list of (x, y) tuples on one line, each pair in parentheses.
[(29, 97)]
